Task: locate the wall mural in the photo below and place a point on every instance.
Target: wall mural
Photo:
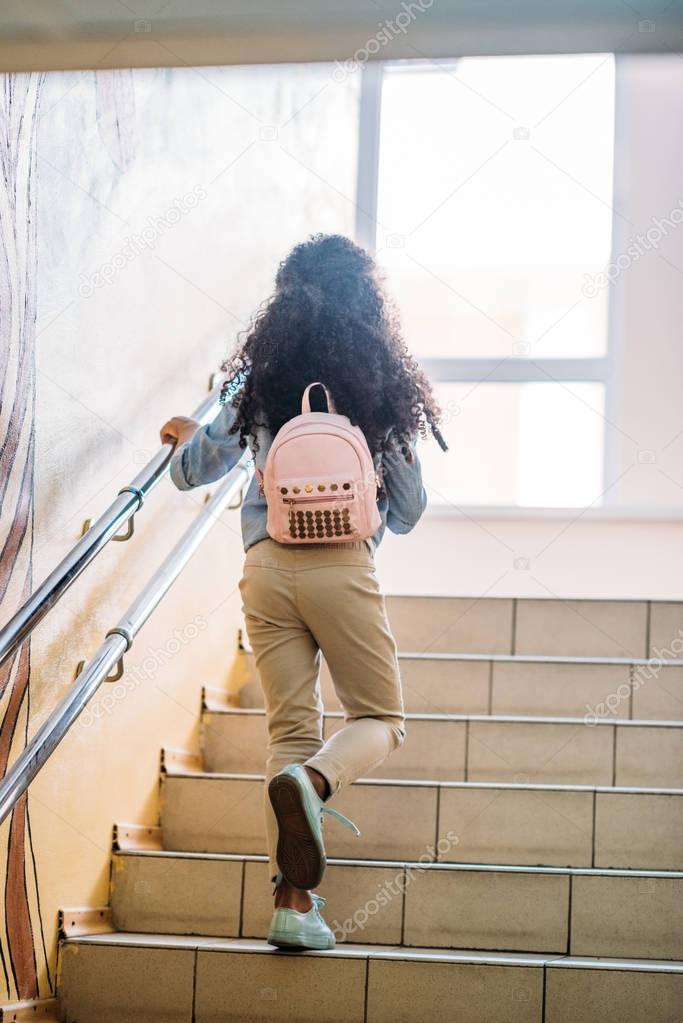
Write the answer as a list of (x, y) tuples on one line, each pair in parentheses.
[(23, 954), (22, 943)]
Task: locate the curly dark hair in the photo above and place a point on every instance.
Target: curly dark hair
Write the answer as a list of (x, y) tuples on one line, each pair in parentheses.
[(329, 320)]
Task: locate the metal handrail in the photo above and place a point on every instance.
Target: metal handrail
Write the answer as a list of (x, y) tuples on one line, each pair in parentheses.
[(116, 643), (127, 503)]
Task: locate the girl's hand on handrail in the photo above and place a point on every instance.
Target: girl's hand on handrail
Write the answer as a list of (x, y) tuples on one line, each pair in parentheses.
[(178, 430)]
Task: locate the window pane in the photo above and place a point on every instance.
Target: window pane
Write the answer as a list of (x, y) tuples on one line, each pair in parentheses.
[(533, 444), (495, 192)]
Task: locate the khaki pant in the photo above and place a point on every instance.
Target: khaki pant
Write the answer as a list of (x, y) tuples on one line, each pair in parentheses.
[(299, 601)]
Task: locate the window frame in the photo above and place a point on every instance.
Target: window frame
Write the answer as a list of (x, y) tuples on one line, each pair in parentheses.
[(510, 369)]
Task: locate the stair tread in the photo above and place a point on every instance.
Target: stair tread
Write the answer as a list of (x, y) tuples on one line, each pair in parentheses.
[(431, 783), (540, 598), (486, 718), (252, 945), (428, 655), (422, 865)]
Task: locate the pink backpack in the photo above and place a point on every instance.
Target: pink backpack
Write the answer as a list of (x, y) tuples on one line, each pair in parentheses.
[(319, 480)]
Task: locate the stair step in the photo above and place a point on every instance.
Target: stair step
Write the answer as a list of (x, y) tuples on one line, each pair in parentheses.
[(534, 685), (497, 908), (473, 822), (455, 747), (498, 625), (611, 628), (207, 980)]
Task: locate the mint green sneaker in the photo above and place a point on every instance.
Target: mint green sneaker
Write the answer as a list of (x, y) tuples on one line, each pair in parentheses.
[(299, 811), (291, 929)]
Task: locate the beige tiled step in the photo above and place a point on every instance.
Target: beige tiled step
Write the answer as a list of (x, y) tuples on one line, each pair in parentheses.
[(472, 822), (127, 978), (597, 913), (536, 686), (455, 747), (452, 624), (581, 991), (610, 628)]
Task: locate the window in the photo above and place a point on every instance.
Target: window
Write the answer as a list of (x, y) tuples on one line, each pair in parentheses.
[(493, 203), (531, 444)]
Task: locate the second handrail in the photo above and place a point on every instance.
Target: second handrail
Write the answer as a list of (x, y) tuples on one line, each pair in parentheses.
[(116, 643)]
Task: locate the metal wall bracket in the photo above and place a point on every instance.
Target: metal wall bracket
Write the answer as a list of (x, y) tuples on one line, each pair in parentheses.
[(243, 645), (136, 492), (240, 500), (118, 631), (110, 678), (130, 525), (118, 673), (231, 507), (130, 529)]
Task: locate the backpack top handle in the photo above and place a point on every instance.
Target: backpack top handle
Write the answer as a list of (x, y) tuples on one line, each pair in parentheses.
[(306, 399)]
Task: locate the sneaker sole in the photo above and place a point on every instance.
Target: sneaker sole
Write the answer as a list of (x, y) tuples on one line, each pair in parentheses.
[(299, 855), (296, 946)]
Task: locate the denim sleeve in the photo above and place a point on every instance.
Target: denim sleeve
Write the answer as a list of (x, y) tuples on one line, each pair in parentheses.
[(402, 480), (210, 454)]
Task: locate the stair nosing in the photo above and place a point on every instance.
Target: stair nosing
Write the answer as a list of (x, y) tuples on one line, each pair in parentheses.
[(346, 950), (521, 658), (434, 783), (484, 718), (392, 952), (578, 659), (540, 598), (505, 868)]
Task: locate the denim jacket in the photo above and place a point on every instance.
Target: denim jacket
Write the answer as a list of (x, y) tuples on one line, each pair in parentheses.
[(213, 451)]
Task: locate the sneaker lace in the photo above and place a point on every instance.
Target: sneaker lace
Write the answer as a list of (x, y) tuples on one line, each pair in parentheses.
[(277, 881), (339, 816)]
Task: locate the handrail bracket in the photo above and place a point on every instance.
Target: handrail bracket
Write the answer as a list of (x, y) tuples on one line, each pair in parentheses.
[(95, 534), (136, 492), (130, 522), (115, 646), (108, 678), (126, 634)]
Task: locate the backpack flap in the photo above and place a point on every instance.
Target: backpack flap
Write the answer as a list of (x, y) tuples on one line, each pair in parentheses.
[(319, 480)]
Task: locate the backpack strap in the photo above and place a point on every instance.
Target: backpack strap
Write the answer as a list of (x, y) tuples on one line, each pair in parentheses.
[(306, 399)]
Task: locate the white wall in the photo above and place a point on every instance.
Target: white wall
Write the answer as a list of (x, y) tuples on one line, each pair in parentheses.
[(647, 310), (475, 553)]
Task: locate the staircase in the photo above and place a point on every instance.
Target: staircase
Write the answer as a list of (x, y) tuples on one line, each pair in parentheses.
[(520, 858)]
